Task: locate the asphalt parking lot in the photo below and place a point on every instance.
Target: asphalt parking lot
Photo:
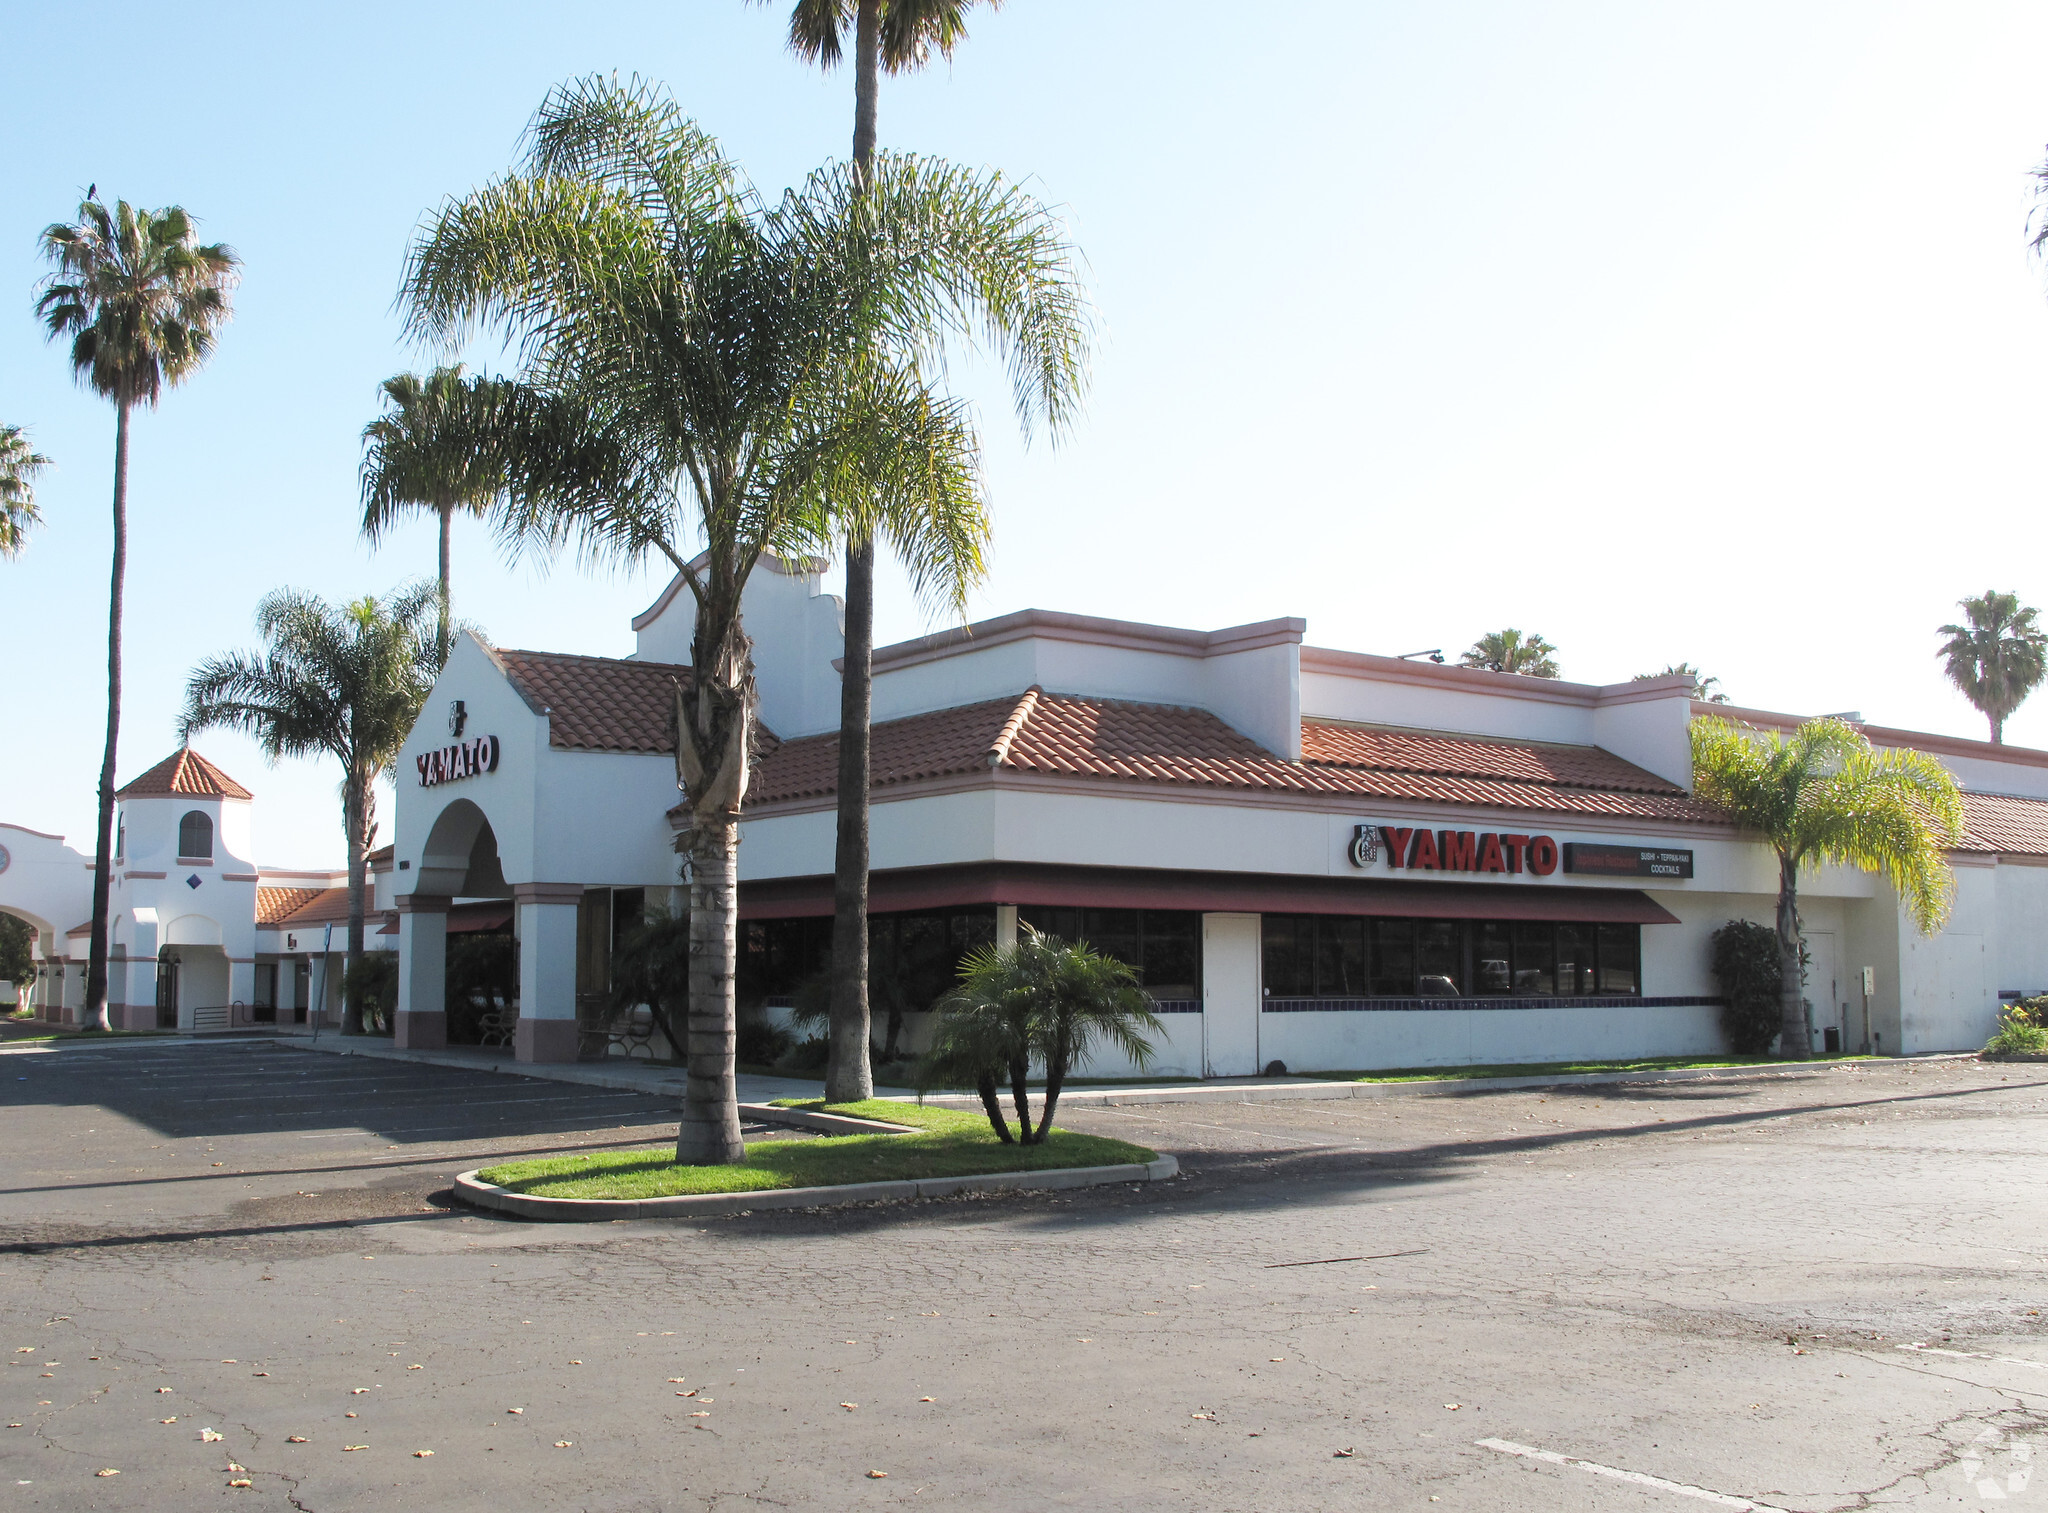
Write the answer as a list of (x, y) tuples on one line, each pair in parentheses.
[(1819, 1291)]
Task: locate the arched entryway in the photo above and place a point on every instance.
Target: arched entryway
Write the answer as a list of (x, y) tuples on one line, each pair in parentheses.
[(458, 960)]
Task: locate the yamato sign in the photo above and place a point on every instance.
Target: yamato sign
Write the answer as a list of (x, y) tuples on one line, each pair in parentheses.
[(465, 759), (1490, 851), (1453, 850)]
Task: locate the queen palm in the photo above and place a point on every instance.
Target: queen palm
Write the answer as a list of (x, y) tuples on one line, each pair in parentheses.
[(899, 36), (418, 455), (345, 681), (1824, 794), (705, 379), (19, 464), (142, 300), (1511, 651), (1998, 657)]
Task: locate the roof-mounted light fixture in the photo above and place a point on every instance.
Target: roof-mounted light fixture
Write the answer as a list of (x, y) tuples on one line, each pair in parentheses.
[(1435, 654)]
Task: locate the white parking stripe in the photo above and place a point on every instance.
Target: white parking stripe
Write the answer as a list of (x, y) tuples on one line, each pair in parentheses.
[(1639, 1478), (1976, 1355)]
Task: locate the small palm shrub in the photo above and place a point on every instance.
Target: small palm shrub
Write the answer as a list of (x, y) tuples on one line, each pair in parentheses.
[(1747, 964), (1041, 1000)]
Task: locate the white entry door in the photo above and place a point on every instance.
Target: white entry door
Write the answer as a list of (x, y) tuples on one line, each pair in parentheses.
[(1230, 995), (1823, 986)]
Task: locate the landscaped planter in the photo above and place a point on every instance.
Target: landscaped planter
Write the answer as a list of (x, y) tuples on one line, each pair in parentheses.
[(704, 1205)]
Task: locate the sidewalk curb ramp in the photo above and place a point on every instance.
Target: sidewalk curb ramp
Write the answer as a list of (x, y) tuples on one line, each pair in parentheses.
[(471, 1189)]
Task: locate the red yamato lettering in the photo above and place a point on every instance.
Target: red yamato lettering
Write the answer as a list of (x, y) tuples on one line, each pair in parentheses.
[(1542, 855), (1397, 844), (1490, 859), (1460, 851), (420, 761), (1514, 845), (1422, 855)]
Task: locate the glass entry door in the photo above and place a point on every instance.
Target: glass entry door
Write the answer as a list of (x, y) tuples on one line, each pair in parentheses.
[(166, 990)]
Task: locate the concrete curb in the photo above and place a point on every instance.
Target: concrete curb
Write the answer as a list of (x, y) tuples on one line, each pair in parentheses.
[(711, 1205), (1305, 1090), (825, 1124)]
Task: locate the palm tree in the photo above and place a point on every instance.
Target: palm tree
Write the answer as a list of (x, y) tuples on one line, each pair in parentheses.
[(1042, 999), (142, 301), (1998, 658), (1824, 794), (417, 456), (19, 464), (1511, 651), (706, 379), (346, 681), (1704, 689), (899, 36)]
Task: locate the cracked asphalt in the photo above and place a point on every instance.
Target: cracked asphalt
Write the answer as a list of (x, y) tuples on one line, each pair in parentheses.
[(1807, 1292)]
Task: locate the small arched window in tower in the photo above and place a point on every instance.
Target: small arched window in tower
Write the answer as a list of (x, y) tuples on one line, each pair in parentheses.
[(195, 836)]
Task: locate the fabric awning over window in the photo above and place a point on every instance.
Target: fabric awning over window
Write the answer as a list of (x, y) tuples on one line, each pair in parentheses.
[(1207, 892), (491, 915)]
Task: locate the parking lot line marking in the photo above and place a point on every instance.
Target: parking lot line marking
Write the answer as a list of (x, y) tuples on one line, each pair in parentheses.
[(1639, 1478), (1976, 1355)]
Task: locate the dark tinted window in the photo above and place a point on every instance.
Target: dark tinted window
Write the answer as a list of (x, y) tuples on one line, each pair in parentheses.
[(1330, 956), (1620, 946), (195, 835)]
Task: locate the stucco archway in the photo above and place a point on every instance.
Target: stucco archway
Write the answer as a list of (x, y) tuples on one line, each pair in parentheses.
[(460, 857)]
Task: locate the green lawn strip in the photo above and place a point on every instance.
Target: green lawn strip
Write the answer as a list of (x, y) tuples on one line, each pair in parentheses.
[(949, 1144), (1578, 1068)]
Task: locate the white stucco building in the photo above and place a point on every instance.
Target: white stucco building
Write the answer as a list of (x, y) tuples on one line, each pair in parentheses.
[(1325, 858), (200, 936)]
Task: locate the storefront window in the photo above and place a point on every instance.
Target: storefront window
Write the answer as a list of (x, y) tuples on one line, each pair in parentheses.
[(1329, 956), (1620, 948), (1439, 963), (1165, 945)]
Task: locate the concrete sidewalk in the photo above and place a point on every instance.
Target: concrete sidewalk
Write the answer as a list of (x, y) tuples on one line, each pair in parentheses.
[(616, 1072), (667, 1081)]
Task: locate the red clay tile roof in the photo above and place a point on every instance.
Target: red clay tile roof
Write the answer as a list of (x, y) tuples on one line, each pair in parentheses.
[(1383, 750), (273, 905), (1058, 734), (599, 703), (184, 773), (323, 906), (1996, 822)]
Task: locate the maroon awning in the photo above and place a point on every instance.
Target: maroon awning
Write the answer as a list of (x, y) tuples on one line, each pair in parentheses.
[(465, 918), (915, 888)]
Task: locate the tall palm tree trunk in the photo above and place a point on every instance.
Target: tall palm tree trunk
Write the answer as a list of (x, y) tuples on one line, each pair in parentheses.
[(709, 1134), (103, 860), (848, 1075), (354, 805), (447, 514), (1998, 730), (1795, 1040)]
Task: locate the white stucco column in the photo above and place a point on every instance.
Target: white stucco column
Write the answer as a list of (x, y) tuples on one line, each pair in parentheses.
[(422, 1022), (242, 988), (547, 970), (131, 974), (1006, 926)]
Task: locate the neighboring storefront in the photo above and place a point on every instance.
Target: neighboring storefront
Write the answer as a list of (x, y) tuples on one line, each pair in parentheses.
[(1323, 858), (199, 936)]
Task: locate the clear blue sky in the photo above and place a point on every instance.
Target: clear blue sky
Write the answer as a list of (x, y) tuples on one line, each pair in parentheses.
[(1669, 331)]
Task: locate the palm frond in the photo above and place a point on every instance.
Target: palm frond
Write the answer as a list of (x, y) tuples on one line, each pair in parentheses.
[(20, 464)]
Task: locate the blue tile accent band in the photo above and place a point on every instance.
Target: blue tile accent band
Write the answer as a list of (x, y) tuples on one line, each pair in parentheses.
[(1176, 1005), (1382, 1005)]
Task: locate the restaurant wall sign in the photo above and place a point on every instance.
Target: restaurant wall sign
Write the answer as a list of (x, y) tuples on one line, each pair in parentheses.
[(1420, 850), (464, 759)]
